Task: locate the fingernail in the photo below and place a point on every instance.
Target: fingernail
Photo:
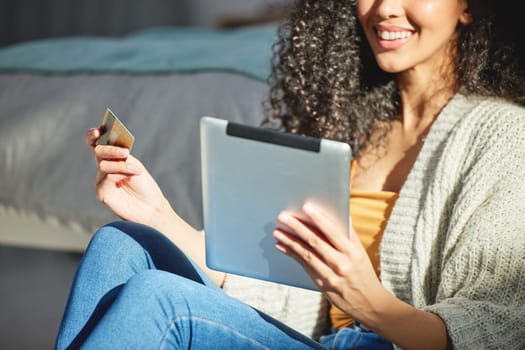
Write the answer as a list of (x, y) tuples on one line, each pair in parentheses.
[(281, 248), (284, 217), (309, 207)]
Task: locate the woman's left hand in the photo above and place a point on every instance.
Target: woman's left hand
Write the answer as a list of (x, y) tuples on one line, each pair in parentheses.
[(335, 260)]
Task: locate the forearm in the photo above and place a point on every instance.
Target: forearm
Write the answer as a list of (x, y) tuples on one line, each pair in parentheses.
[(406, 326), (185, 237)]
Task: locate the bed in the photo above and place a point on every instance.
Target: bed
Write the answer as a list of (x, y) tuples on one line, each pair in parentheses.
[(159, 81)]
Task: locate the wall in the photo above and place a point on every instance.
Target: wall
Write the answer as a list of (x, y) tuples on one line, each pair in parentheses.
[(22, 20), (210, 12)]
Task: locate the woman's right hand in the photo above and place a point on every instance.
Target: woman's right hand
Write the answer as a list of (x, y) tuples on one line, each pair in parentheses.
[(124, 185)]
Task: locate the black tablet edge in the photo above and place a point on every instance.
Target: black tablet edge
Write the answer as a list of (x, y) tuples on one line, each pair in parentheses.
[(306, 143)]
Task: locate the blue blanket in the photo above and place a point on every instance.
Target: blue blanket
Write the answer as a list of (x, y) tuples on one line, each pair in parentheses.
[(245, 51)]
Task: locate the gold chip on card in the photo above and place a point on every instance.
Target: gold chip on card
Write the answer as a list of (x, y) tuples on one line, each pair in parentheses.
[(114, 132)]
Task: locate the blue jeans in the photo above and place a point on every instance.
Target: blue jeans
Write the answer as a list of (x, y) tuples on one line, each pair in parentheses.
[(134, 289)]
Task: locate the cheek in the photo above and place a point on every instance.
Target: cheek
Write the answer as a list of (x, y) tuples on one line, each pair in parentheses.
[(434, 14), (363, 9), (429, 10)]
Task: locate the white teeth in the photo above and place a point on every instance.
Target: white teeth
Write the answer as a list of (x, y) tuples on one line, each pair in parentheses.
[(385, 35)]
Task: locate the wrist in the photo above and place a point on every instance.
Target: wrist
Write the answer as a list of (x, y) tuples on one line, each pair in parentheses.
[(396, 321), (162, 216), (382, 305)]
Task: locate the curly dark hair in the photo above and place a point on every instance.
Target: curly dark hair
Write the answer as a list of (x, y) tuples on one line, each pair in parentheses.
[(325, 81)]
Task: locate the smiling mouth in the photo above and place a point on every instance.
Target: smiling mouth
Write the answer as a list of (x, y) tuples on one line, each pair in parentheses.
[(388, 35)]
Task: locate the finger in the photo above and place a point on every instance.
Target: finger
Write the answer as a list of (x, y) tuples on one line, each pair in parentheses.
[(92, 136), (102, 180), (103, 152), (302, 230), (313, 238), (303, 254), (333, 230), (108, 184), (129, 166), (118, 167)]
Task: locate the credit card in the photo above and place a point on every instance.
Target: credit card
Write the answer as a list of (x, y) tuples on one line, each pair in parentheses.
[(114, 132)]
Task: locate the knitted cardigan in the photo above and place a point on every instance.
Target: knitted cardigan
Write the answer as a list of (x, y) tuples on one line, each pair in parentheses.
[(454, 244)]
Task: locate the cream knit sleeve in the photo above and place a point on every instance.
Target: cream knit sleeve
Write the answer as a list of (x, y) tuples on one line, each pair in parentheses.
[(481, 294)]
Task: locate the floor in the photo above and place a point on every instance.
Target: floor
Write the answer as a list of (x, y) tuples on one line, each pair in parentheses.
[(33, 292)]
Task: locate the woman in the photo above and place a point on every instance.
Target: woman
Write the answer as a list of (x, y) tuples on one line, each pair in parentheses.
[(430, 94)]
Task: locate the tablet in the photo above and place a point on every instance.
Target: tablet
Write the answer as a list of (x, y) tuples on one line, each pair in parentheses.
[(250, 175)]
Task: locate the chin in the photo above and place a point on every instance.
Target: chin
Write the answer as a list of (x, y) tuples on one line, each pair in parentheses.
[(390, 63), (390, 67)]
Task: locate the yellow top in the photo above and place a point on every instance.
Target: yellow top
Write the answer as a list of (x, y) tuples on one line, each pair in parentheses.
[(370, 212)]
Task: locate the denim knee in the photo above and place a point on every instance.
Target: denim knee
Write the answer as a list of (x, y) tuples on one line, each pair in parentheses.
[(170, 293), (159, 284), (107, 236), (112, 245)]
